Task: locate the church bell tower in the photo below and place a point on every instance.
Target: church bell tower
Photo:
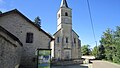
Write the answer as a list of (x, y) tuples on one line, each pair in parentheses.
[(66, 43), (64, 16), (64, 24)]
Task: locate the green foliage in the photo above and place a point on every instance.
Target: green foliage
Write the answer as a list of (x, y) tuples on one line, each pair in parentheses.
[(101, 52), (107, 42), (37, 21), (85, 49), (110, 49), (116, 57), (106, 38), (95, 51)]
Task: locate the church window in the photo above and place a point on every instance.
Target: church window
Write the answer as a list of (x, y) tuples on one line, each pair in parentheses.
[(29, 38), (66, 14), (58, 15), (66, 39), (74, 40), (58, 39)]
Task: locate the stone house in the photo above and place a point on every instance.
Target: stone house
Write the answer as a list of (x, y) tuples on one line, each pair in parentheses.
[(31, 36), (10, 50)]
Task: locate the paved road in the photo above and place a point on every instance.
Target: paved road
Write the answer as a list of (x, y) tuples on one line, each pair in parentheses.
[(70, 66), (104, 64), (96, 64)]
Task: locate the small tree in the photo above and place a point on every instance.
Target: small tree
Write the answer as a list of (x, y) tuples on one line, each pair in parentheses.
[(37, 21)]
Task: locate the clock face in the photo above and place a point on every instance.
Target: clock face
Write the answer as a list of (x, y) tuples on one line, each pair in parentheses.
[(66, 20)]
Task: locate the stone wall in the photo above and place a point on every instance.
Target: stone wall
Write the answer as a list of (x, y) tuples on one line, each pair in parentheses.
[(10, 50), (76, 49)]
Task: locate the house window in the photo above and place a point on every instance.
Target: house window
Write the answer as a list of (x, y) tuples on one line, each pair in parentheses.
[(66, 39), (58, 39), (29, 38), (74, 40), (66, 14)]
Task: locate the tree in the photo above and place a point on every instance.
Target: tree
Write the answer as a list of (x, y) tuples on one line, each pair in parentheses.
[(101, 52), (95, 51), (37, 21), (107, 42), (85, 49), (116, 49), (111, 42)]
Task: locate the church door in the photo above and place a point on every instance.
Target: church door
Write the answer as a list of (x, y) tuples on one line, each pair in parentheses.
[(67, 54)]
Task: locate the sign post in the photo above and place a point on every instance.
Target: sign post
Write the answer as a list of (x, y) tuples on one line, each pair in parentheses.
[(43, 58)]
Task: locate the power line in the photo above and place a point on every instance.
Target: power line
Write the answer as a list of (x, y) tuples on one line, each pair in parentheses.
[(91, 21)]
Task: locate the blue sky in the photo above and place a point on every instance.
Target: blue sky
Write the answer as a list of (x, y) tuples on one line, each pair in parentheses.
[(105, 14)]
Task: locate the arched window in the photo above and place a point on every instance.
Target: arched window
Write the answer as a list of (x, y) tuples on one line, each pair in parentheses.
[(66, 14), (66, 39), (74, 40)]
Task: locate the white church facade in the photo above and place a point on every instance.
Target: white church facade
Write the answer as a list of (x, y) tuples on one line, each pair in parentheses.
[(67, 44)]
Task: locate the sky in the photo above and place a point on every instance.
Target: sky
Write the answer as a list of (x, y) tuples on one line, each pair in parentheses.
[(105, 14)]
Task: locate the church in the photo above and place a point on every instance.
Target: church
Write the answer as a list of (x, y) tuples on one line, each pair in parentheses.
[(67, 44)]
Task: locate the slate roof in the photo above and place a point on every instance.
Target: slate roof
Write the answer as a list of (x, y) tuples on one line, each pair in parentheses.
[(64, 4), (60, 30), (56, 32)]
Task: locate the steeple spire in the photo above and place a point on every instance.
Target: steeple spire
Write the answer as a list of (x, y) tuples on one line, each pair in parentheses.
[(64, 4)]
